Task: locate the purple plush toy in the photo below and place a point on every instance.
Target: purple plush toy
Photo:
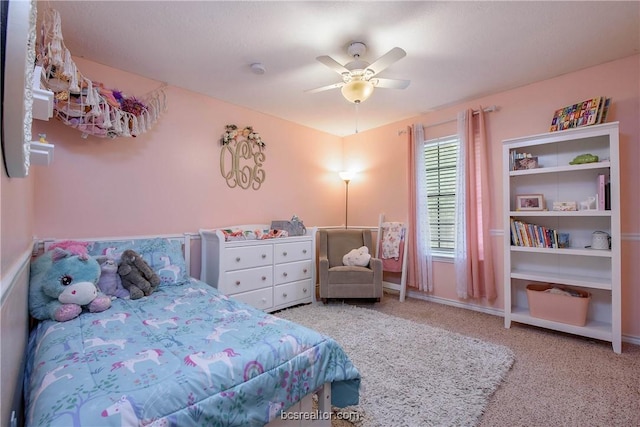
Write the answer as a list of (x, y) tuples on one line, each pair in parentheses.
[(110, 282)]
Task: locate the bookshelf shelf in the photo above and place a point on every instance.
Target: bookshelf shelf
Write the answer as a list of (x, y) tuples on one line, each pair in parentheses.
[(533, 257)]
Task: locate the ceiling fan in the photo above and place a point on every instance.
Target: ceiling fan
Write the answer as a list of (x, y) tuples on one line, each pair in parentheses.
[(359, 77)]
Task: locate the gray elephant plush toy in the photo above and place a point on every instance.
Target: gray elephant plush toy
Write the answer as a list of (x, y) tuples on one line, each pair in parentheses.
[(137, 277)]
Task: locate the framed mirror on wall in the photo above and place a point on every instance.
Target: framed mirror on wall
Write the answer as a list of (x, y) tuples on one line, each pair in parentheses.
[(16, 90)]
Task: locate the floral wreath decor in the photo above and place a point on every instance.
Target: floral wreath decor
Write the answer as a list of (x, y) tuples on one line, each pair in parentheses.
[(232, 132)]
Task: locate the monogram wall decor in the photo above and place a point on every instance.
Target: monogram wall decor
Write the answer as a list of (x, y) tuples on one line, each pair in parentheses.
[(242, 157)]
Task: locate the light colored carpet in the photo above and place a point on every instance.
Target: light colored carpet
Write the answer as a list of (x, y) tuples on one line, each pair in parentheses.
[(412, 374), (557, 379)]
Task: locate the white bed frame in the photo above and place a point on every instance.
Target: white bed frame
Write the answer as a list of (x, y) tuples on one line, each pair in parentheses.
[(302, 413)]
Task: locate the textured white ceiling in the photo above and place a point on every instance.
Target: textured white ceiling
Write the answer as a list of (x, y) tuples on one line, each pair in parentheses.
[(456, 51)]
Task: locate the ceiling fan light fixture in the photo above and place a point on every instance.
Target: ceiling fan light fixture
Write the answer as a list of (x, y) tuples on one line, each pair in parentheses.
[(357, 91)]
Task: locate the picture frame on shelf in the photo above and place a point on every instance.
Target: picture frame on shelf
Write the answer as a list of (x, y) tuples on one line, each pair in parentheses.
[(529, 202)]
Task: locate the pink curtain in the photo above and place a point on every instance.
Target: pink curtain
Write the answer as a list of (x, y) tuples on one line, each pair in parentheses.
[(413, 272), (474, 259), (420, 271)]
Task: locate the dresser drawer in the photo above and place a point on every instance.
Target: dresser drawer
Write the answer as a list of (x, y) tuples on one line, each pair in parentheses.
[(247, 257), (292, 292), (261, 299), (296, 251), (292, 271), (234, 282)]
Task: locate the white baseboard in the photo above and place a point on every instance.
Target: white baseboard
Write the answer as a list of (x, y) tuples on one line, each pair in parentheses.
[(631, 339)]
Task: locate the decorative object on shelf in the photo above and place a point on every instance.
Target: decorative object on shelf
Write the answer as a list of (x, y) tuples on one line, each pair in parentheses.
[(589, 112), (242, 157), (529, 202), (565, 206), (525, 163), (584, 158), (564, 240), (84, 104), (590, 204), (600, 240)]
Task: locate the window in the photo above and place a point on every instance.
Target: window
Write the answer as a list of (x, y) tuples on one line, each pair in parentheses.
[(440, 156)]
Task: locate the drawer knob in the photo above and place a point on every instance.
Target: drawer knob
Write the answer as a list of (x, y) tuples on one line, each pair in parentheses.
[(264, 278), (284, 274), (304, 290), (284, 295), (264, 256), (284, 253), (304, 271), (237, 282), (237, 259), (304, 251)]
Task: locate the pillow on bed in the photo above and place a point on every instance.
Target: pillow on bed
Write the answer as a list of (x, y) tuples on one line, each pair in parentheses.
[(164, 256)]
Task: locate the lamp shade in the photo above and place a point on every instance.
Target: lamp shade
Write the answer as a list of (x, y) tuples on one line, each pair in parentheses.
[(357, 91), (346, 175)]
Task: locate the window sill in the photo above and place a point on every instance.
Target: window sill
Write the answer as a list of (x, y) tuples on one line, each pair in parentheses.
[(442, 257)]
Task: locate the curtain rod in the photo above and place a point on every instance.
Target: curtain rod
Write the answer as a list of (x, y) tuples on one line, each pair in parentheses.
[(475, 113)]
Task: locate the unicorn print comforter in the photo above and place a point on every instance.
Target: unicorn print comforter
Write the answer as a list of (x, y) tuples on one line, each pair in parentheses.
[(183, 356)]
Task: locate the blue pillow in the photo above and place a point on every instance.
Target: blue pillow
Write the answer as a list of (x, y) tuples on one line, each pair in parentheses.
[(164, 256)]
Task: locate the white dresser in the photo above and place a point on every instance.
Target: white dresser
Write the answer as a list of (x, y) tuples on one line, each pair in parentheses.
[(269, 274)]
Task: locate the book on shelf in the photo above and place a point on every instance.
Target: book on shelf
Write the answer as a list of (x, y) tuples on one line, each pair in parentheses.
[(588, 112), (532, 235), (601, 196)]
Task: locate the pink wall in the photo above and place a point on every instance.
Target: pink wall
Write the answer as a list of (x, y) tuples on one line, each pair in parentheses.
[(380, 156), (169, 181)]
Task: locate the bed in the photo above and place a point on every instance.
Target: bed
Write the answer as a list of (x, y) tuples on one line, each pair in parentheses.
[(185, 355)]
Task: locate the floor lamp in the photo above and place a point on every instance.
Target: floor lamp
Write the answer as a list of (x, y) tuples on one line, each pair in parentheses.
[(346, 177)]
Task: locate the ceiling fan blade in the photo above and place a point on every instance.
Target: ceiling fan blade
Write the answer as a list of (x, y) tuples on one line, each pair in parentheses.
[(333, 64), (390, 83), (323, 88), (387, 59)]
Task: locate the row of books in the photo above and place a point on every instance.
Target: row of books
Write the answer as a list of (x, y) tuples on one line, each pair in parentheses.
[(589, 112), (532, 235)]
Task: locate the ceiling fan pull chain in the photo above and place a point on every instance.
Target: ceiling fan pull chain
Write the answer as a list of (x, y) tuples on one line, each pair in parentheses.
[(357, 116)]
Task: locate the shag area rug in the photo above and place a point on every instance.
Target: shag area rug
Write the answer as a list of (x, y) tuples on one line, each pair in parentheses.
[(412, 374)]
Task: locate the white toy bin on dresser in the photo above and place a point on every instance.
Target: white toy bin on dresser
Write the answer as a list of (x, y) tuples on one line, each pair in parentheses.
[(269, 274)]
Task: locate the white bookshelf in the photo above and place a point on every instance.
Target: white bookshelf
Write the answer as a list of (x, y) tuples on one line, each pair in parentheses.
[(578, 266)]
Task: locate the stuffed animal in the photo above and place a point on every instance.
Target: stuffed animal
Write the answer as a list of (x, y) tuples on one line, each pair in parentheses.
[(73, 246), (61, 284), (359, 257), (137, 277), (110, 282)]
